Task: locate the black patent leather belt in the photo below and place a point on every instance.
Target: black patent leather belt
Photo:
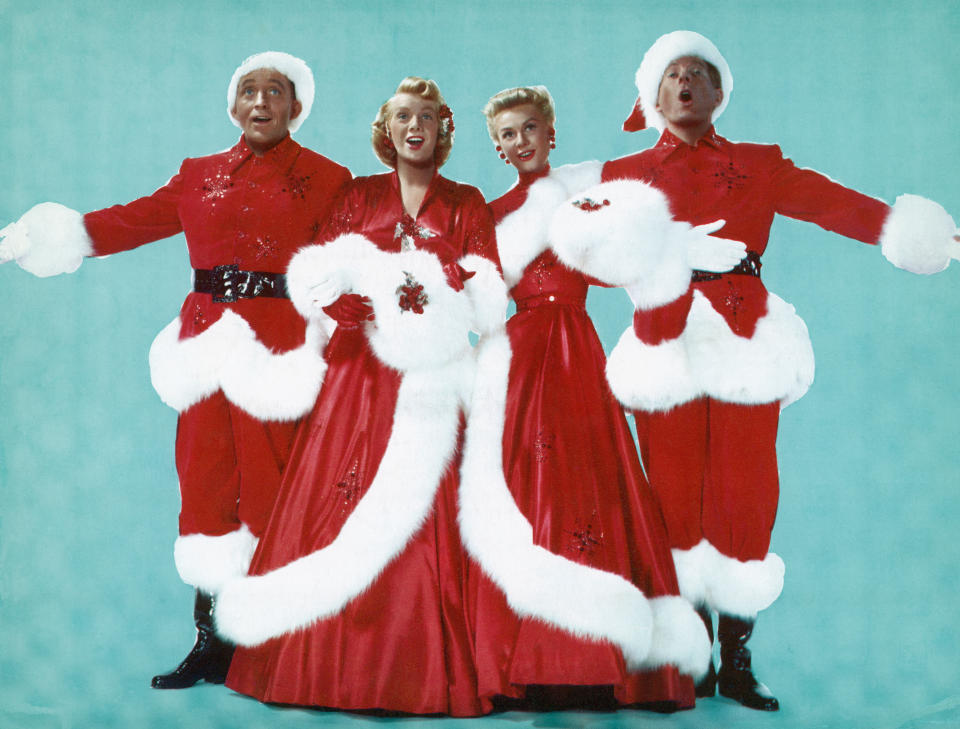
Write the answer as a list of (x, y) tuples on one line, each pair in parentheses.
[(749, 266), (228, 283)]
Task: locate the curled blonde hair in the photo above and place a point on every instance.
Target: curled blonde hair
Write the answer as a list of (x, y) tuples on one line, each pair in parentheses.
[(425, 89), (510, 98)]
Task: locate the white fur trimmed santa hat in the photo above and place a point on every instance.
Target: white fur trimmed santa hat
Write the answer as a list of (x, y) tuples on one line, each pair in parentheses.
[(661, 54), (292, 67)]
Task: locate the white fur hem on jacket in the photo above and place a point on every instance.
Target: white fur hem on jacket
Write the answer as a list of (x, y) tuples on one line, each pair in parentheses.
[(228, 356), (207, 563), (47, 240), (582, 600), (432, 351), (918, 235), (708, 359), (728, 585), (524, 234)]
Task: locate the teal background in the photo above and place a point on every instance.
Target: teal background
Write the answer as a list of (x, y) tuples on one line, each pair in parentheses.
[(100, 103)]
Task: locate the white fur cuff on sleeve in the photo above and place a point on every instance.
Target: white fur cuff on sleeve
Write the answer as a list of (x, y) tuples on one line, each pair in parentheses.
[(918, 235)]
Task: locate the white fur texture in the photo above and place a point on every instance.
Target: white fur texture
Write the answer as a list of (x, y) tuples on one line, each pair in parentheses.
[(228, 356), (679, 637), (582, 600), (725, 584), (422, 439), (918, 236), (633, 241), (292, 67), (47, 240), (665, 50), (648, 377), (776, 363), (401, 339), (524, 234), (487, 293), (207, 563), (252, 610)]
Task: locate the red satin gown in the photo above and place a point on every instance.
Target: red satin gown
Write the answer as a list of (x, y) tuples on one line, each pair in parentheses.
[(403, 645), (571, 464)]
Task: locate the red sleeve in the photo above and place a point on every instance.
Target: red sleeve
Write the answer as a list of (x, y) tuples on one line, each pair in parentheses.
[(479, 232), (124, 227), (808, 195)]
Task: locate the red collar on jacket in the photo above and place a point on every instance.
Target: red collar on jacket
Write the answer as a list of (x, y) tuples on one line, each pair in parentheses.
[(280, 156)]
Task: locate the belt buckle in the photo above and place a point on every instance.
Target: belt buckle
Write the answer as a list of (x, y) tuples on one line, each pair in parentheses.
[(225, 284)]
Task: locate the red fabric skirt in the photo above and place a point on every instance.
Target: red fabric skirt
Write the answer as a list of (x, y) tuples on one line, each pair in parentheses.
[(403, 644), (572, 467)]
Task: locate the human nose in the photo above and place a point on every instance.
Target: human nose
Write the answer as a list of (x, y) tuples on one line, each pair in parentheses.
[(260, 98)]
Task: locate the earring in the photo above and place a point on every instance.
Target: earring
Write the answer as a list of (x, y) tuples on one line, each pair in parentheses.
[(389, 142), (502, 155), (553, 139)]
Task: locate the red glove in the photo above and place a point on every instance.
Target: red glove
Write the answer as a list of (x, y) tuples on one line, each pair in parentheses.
[(456, 275), (350, 310)]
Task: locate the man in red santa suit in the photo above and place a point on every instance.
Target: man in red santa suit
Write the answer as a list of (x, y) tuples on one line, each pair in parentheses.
[(238, 364), (708, 374)]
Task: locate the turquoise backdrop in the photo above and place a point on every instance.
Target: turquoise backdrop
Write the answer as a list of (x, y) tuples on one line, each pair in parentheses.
[(102, 100)]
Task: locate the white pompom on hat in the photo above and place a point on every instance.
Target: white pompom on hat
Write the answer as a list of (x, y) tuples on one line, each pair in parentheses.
[(292, 67), (661, 54)]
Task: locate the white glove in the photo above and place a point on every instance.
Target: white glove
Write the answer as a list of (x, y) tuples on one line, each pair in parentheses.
[(710, 253), (49, 239), (14, 242), (327, 290)]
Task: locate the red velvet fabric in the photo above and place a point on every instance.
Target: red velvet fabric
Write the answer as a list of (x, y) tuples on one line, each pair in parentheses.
[(404, 644), (572, 467), (256, 212), (715, 467)]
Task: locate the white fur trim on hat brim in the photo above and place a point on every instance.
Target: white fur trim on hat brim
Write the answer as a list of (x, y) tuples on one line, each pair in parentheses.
[(776, 363), (728, 585), (252, 610), (662, 53), (207, 562), (266, 384), (587, 602), (523, 234), (47, 240), (918, 235), (295, 69)]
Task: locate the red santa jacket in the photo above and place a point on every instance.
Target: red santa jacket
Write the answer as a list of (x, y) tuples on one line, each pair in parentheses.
[(255, 213), (739, 342)]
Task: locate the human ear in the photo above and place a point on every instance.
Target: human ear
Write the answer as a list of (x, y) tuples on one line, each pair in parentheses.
[(295, 108)]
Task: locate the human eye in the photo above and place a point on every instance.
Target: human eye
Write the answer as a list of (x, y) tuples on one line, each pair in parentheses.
[(427, 115), (506, 134), (275, 91), (530, 126), (247, 91)]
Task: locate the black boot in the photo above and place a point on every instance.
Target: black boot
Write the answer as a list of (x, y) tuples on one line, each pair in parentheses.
[(209, 658), (735, 679), (707, 686)]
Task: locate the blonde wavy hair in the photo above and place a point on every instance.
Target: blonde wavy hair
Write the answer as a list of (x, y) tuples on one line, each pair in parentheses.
[(425, 89), (510, 98)]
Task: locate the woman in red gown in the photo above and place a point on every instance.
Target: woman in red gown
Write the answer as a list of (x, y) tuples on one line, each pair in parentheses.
[(569, 459), (356, 595)]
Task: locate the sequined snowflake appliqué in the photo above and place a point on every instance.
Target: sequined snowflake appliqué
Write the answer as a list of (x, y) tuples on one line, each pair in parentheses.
[(348, 488), (215, 187), (584, 539)]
